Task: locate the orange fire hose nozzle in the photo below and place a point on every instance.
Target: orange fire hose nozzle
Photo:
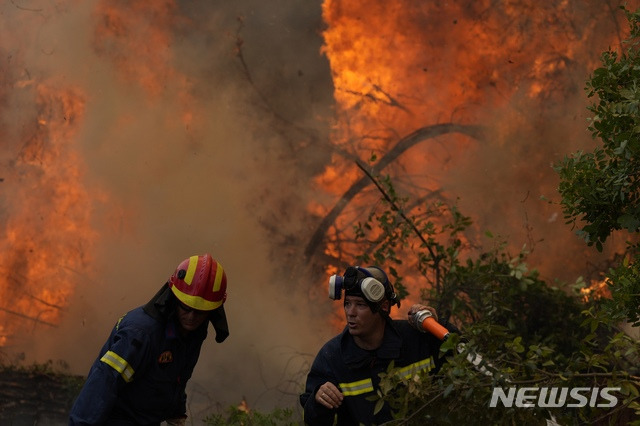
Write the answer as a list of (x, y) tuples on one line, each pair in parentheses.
[(427, 323)]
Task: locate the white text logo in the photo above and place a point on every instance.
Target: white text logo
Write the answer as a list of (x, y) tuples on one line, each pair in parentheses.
[(549, 397)]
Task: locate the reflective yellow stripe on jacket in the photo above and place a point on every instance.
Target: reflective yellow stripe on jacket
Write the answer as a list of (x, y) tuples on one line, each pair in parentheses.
[(116, 362), (356, 388), (415, 368), (366, 385)]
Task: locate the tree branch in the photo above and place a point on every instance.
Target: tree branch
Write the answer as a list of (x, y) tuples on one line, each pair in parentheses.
[(18, 314), (397, 208), (403, 145)]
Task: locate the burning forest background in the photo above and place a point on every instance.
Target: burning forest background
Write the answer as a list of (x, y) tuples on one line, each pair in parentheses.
[(135, 134)]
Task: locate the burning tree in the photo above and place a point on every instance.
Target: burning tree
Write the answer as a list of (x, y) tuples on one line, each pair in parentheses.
[(43, 203), (535, 334), (457, 100)]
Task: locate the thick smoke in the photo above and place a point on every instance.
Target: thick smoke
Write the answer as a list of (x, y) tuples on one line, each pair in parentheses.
[(202, 127), (198, 118)]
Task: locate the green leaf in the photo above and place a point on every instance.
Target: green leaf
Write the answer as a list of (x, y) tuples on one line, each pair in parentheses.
[(448, 390), (629, 222), (378, 406)]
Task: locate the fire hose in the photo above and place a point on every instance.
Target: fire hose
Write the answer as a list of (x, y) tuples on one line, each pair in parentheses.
[(426, 322)]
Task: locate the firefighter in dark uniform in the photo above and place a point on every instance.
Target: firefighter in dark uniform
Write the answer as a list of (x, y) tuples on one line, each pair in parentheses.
[(345, 371), (140, 375)]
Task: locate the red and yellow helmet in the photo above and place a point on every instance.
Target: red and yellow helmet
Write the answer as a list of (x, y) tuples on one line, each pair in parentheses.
[(200, 283)]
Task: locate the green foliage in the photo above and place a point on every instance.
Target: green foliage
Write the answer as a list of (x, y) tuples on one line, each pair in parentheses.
[(624, 285), (235, 416), (529, 333), (602, 189)]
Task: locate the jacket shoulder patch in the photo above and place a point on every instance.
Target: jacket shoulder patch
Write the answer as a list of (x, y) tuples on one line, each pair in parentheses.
[(165, 357)]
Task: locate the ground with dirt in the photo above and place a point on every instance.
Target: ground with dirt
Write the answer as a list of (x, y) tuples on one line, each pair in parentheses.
[(36, 396)]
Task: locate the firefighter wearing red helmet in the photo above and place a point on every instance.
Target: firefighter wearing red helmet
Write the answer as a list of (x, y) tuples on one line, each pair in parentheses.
[(200, 283), (140, 375)]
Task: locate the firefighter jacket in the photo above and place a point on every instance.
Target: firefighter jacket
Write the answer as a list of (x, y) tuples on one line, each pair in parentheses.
[(140, 375), (355, 372)]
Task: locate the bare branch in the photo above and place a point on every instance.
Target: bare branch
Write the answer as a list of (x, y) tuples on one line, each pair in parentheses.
[(403, 145), (18, 314), (397, 208)]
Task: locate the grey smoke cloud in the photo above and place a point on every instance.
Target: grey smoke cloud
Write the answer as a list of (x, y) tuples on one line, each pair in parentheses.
[(181, 151)]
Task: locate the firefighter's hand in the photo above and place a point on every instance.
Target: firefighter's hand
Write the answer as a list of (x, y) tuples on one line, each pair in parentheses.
[(177, 422), (417, 308), (329, 395)]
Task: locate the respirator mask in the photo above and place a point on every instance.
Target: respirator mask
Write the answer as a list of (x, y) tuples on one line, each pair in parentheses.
[(359, 281)]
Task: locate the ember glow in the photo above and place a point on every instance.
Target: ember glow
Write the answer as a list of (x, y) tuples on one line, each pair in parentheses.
[(597, 290)]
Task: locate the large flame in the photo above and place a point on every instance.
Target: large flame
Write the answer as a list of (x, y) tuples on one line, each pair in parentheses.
[(48, 236), (125, 87), (400, 69), (49, 240)]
